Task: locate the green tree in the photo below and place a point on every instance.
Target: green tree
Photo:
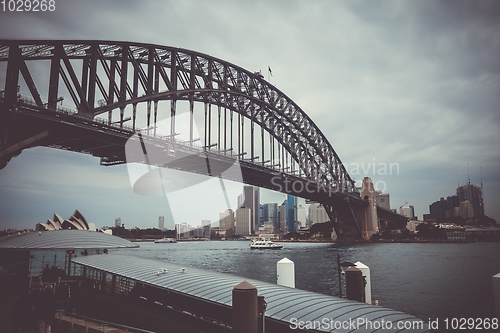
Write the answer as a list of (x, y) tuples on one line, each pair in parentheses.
[(386, 234)]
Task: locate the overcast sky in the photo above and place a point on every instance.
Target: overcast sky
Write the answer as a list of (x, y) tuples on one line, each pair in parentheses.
[(415, 83)]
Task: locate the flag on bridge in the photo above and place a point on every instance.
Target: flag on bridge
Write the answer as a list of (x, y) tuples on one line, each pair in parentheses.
[(270, 71)]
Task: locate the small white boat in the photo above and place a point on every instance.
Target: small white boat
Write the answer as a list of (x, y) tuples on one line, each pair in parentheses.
[(264, 244), (166, 240)]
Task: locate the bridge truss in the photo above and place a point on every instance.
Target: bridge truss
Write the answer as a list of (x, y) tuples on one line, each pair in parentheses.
[(123, 88)]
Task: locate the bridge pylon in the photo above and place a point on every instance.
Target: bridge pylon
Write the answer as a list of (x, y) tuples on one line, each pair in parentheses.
[(368, 214)]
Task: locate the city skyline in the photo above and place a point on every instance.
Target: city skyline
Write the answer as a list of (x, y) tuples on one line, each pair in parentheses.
[(408, 83)]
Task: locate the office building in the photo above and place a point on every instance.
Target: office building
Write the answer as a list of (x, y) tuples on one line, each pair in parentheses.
[(256, 206), (161, 222), (317, 214), (408, 211), (270, 214), (250, 199), (465, 210), (438, 209), (183, 230), (206, 225), (243, 221), (301, 217), (452, 202), (282, 218), (291, 213), (474, 195), (468, 203), (382, 200), (227, 221)]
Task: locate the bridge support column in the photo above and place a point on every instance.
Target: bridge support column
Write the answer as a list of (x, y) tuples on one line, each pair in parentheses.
[(7, 152), (369, 217)]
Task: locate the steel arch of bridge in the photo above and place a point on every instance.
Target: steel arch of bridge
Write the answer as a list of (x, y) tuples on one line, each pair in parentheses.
[(109, 77), (185, 75)]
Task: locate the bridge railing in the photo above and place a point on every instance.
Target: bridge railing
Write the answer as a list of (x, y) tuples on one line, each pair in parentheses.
[(59, 109), (167, 140)]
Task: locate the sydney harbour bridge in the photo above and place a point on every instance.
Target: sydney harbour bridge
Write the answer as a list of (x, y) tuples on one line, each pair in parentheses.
[(114, 91)]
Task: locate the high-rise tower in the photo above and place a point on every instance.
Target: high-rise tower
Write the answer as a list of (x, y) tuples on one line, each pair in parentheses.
[(250, 199)]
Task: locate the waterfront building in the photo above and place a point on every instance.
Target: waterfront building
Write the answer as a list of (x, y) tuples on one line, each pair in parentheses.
[(291, 213), (76, 222), (270, 214), (465, 210), (262, 220), (467, 203), (250, 199), (226, 222), (301, 217), (438, 210), (206, 225), (161, 222), (243, 221), (256, 205), (282, 218), (412, 225), (266, 229), (451, 203), (118, 221), (474, 195), (382, 200), (408, 211), (183, 230), (317, 214)]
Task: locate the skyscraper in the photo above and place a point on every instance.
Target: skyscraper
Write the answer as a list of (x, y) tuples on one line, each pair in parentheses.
[(243, 221), (161, 222), (301, 217), (250, 199), (474, 195), (256, 208), (407, 211), (206, 225), (282, 218), (291, 213), (271, 214), (317, 214), (226, 222), (438, 209)]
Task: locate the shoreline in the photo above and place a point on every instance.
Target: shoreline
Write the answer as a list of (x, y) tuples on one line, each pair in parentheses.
[(375, 242), (139, 240)]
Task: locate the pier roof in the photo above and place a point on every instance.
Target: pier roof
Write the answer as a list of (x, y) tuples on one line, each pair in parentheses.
[(63, 239), (283, 303)]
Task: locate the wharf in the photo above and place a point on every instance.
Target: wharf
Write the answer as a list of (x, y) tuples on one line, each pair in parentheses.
[(202, 299), (64, 323)]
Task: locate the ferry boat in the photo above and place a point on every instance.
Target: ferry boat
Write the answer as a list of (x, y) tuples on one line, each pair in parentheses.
[(166, 240), (264, 244)]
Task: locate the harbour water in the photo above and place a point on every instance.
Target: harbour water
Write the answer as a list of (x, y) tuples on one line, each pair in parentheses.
[(428, 280)]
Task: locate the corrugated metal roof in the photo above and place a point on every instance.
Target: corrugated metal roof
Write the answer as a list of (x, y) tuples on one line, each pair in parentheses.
[(63, 239), (283, 303)]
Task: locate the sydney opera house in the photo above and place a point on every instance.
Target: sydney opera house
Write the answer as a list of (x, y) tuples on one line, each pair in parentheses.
[(77, 222)]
